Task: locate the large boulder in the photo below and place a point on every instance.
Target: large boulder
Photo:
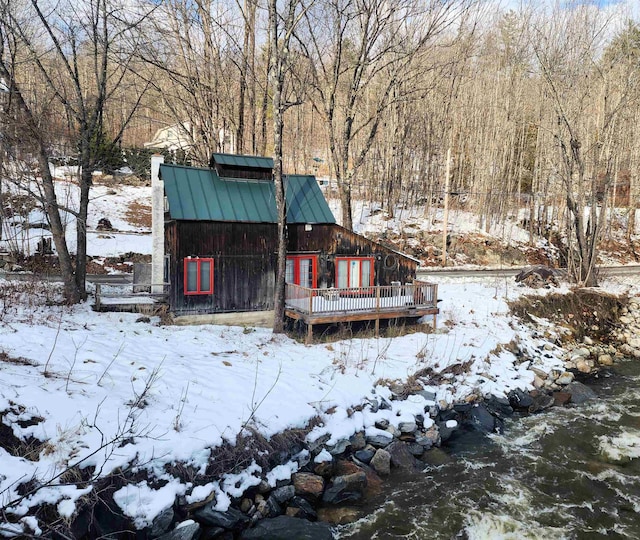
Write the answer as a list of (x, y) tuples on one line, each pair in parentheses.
[(288, 528), (561, 398), (401, 457), (358, 441), (537, 276), (162, 522), (499, 406), (284, 493), (301, 508), (579, 392), (366, 454), (381, 462), (429, 437), (269, 507), (520, 400), (188, 530), (348, 487), (232, 519), (480, 419), (541, 402), (446, 429), (308, 485), (379, 438), (344, 466)]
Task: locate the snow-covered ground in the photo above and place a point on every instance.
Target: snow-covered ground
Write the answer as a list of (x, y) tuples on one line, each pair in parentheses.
[(23, 230), (105, 390), (111, 391)]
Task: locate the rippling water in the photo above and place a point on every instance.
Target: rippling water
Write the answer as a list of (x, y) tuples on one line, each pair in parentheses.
[(568, 473)]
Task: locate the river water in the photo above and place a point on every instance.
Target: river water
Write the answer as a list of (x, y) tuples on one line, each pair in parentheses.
[(570, 472)]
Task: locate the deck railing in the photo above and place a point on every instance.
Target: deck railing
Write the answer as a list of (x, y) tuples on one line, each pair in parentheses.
[(396, 297)]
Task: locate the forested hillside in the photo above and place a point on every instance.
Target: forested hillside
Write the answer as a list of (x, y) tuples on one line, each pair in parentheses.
[(528, 113)]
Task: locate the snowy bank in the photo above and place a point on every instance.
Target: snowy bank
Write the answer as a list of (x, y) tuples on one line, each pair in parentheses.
[(101, 393)]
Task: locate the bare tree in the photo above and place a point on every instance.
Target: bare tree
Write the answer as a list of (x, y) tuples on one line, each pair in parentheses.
[(192, 64), (622, 57), (283, 20), (586, 104), (361, 56), (65, 59), (248, 78)]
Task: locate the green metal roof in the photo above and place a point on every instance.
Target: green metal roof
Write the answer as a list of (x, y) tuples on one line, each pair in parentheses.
[(233, 160), (305, 201), (200, 194)]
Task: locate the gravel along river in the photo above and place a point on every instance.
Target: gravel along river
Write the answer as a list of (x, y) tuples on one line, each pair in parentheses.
[(570, 472)]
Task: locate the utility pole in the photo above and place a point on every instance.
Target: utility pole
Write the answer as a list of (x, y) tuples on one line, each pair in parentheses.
[(445, 219), (4, 100)]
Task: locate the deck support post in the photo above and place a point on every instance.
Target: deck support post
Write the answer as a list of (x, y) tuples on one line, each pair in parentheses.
[(434, 301), (98, 294), (377, 311), (309, 338)]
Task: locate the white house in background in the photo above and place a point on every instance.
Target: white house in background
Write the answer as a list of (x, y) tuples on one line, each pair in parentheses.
[(173, 138), (181, 137)]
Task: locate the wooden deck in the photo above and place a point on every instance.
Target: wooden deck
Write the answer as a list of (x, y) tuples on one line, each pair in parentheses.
[(322, 306), (136, 298)]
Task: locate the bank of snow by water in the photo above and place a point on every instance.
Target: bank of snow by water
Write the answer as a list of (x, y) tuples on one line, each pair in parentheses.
[(105, 391)]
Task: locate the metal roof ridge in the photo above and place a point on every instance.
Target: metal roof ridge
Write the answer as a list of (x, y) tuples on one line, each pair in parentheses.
[(236, 179), (180, 166), (239, 155)]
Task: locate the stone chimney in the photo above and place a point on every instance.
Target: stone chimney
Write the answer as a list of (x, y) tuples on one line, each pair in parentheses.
[(157, 225)]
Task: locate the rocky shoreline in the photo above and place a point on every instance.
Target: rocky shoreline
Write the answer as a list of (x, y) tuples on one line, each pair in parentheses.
[(623, 342), (326, 478), (330, 477)]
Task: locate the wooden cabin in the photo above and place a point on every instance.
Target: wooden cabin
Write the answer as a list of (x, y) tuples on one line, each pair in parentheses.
[(220, 245)]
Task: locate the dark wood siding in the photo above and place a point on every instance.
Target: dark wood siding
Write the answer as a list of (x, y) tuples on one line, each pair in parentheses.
[(244, 257), (230, 171), (335, 241)]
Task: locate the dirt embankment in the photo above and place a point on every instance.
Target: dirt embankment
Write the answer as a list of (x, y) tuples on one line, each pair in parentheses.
[(581, 313)]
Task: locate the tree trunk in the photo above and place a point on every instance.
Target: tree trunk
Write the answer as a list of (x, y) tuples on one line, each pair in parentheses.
[(262, 148), (251, 66), (345, 204), (279, 299), (244, 68), (50, 202), (279, 48), (81, 231), (72, 293)]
